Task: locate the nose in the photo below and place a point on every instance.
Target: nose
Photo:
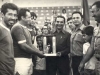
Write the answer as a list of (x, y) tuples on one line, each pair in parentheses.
[(14, 17)]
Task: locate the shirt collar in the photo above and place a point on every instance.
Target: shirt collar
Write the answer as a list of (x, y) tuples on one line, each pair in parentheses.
[(4, 27), (22, 25), (81, 27), (60, 31)]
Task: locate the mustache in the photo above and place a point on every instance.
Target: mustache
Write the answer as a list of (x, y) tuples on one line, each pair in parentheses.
[(11, 20)]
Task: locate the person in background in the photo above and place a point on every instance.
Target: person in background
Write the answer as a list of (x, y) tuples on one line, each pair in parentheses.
[(59, 63), (32, 26), (53, 17), (71, 25), (94, 48), (44, 30), (49, 26), (23, 47), (77, 42), (40, 63), (89, 68), (9, 13), (64, 14)]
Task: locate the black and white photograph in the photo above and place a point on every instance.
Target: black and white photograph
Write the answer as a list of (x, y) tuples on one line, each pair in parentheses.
[(49, 37)]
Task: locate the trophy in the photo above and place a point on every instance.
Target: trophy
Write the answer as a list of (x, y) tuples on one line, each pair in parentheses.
[(47, 47)]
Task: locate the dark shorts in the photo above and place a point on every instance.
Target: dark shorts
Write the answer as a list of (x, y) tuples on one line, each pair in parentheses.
[(39, 72)]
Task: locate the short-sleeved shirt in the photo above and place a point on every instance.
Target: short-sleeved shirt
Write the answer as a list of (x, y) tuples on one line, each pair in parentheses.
[(20, 34), (7, 62), (77, 42)]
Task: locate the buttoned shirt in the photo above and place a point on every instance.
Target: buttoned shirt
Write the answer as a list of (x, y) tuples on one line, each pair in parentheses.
[(62, 42), (77, 42)]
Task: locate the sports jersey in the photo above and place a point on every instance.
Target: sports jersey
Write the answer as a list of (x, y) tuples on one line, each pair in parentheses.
[(20, 34), (7, 62)]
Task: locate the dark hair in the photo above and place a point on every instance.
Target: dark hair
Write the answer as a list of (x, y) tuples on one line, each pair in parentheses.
[(97, 3), (63, 10), (39, 36), (88, 30), (75, 12), (6, 6), (60, 16), (22, 12), (69, 18), (33, 15)]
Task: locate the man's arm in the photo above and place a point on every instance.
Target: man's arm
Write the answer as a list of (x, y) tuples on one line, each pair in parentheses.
[(17, 33), (30, 50), (88, 55)]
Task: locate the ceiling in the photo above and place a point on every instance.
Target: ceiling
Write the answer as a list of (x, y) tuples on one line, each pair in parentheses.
[(46, 3)]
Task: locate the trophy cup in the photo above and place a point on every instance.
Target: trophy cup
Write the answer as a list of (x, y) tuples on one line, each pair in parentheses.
[(46, 47)]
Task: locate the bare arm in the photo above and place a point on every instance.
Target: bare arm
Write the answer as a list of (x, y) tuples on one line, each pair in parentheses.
[(88, 55)]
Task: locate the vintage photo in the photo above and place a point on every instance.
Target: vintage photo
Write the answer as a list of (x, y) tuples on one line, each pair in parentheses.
[(49, 37)]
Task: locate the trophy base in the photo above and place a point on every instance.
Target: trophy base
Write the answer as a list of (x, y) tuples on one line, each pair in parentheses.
[(51, 54)]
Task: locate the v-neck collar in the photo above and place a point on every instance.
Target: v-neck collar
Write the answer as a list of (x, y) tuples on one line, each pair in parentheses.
[(4, 27)]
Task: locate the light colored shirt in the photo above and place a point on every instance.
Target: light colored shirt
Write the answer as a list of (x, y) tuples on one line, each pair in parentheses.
[(77, 42), (91, 63)]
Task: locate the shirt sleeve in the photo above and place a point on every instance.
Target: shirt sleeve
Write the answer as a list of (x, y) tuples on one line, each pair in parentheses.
[(79, 38), (18, 34)]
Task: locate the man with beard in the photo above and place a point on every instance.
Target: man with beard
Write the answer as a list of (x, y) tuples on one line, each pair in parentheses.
[(77, 42), (60, 62), (94, 48), (9, 15)]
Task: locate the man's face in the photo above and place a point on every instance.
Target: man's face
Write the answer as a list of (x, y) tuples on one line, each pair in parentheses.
[(40, 42), (77, 20), (45, 31), (71, 25), (59, 23), (87, 38), (96, 13), (33, 20), (27, 19), (10, 17)]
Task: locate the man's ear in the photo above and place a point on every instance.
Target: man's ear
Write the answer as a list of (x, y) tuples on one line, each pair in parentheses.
[(82, 20), (22, 18), (2, 15)]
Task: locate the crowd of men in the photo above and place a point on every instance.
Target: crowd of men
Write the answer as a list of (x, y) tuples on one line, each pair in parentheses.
[(21, 43)]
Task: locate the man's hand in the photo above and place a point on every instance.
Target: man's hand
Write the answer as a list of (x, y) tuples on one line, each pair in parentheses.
[(41, 55), (59, 54), (81, 67)]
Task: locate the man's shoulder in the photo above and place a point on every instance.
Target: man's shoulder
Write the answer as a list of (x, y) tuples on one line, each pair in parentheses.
[(15, 27), (66, 33)]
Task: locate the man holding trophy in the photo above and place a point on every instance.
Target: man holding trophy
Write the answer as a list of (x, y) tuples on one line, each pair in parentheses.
[(57, 57)]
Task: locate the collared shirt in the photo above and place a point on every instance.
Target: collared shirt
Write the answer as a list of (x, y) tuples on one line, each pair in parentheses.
[(62, 42), (77, 42)]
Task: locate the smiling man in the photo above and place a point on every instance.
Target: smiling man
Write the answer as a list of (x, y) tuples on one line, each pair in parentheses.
[(77, 42), (61, 62), (7, 64)]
